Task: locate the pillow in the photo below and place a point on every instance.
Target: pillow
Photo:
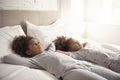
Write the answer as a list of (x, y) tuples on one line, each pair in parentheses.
[(45, 34), (7, 35)]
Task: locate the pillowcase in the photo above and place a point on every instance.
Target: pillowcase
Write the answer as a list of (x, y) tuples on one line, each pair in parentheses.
[(45, 34), (7, 35)]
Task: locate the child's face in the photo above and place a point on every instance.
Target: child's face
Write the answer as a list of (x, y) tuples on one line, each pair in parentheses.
[(74, 45), (34, 47)]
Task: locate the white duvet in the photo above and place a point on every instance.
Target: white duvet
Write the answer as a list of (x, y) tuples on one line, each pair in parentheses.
[(95, 45), (16, 72)]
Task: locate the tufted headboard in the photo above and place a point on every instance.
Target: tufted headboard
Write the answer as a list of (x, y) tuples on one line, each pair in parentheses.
[(14, 17)]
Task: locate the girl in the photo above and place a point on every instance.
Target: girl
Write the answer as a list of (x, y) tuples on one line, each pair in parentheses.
[(78, 50)]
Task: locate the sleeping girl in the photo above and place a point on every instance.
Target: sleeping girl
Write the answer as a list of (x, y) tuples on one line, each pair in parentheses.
[(58, 64), (77, 50)]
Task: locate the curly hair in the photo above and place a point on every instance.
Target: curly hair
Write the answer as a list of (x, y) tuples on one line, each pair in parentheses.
[(62, 43), (20, 45)]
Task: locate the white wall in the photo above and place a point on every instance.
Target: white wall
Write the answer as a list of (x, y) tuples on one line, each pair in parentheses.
[(29, 4)]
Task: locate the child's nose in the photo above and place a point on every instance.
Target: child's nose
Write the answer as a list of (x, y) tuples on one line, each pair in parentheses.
[(38, 45)]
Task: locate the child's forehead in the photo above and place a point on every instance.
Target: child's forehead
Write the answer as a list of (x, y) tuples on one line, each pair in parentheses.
[(72, 40), (33, 40)]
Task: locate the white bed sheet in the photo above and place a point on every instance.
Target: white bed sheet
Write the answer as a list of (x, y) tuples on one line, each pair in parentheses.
[(16, 72)]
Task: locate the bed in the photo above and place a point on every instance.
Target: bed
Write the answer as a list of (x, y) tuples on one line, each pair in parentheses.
[(44, 25)]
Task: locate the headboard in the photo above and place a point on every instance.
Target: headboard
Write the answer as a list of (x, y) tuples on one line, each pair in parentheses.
[(14, 17)]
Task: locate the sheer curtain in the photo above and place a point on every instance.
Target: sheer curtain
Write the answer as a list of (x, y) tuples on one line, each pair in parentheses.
[(82, 12), (99, 11), (94, 19)]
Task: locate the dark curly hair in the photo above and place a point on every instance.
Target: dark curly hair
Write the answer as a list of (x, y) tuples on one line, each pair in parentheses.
[(62, 43), (20, 45)]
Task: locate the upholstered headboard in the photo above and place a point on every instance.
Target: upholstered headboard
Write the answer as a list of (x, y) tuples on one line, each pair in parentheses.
[(14, 17)]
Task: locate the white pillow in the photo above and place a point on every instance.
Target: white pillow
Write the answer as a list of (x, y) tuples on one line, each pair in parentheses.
[(7, 35), (45, 34)]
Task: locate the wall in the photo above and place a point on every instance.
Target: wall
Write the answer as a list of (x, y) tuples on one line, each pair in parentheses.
[(29, 4)]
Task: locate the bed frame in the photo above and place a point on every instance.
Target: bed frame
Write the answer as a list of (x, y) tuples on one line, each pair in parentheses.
[(14, 17)]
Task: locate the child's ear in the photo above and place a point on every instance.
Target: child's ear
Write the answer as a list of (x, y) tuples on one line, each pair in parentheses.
[(69, 49), (28, 52)]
